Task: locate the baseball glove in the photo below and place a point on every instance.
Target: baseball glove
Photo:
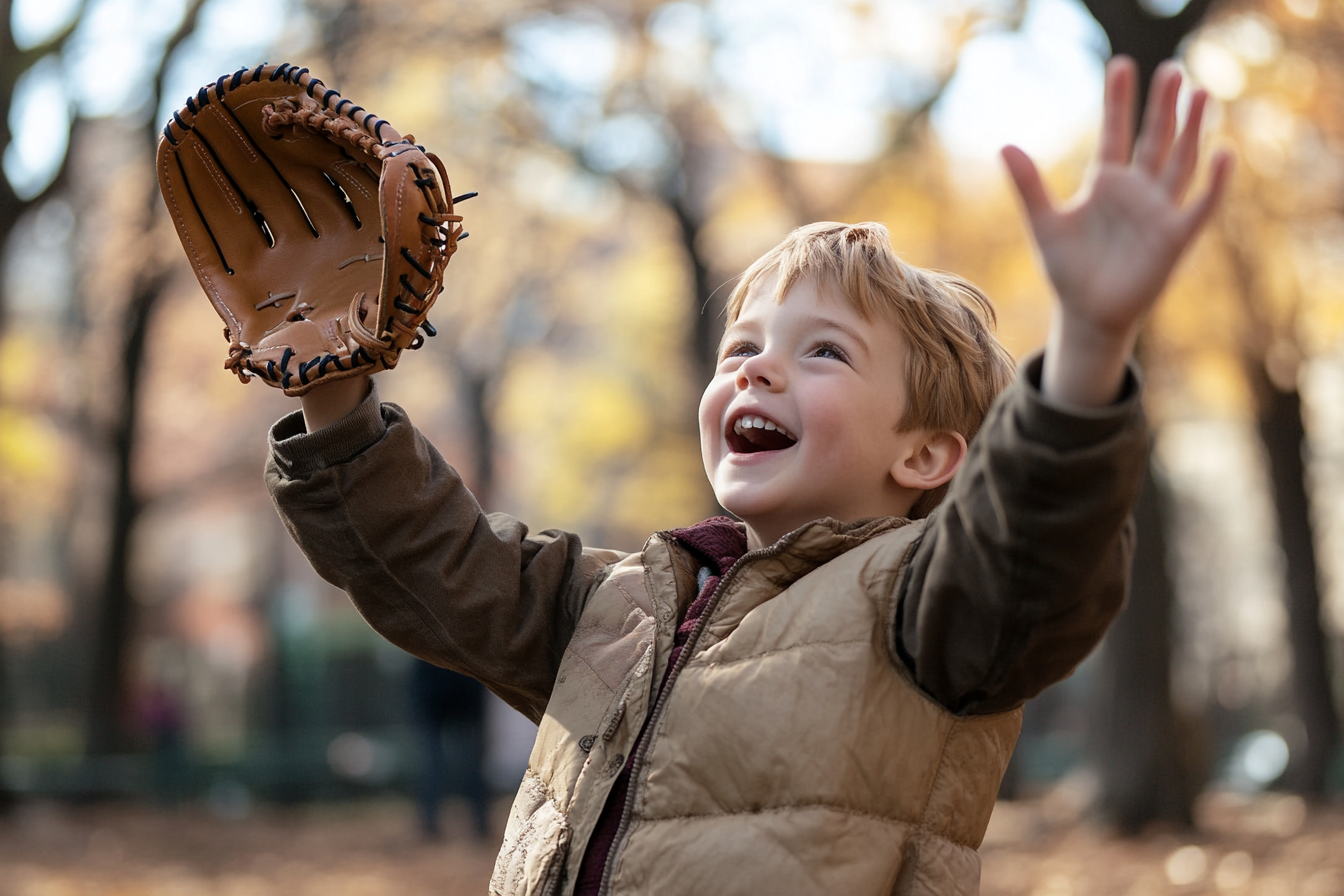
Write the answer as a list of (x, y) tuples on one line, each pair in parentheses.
[(319, 233)]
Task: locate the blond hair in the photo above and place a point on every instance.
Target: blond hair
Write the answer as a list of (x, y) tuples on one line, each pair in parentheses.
[(954, 365)]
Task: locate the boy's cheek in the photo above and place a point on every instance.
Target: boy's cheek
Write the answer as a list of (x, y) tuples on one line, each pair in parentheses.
[(708, 417), (707, 449)]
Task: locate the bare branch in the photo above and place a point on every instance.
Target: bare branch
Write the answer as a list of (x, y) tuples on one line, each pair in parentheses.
[(184, 30)]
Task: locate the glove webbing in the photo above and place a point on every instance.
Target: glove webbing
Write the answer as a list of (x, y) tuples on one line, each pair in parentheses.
[(289, 73)]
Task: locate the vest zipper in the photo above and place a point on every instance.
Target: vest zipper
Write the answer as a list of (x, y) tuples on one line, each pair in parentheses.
[(618, 842)]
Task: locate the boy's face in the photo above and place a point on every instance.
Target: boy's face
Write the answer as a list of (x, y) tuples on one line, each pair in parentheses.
[(799, 422)]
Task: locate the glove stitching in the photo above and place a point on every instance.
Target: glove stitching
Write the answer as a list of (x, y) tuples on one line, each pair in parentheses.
[(190, 245), (349, 177), (215, 175), (238, 139)]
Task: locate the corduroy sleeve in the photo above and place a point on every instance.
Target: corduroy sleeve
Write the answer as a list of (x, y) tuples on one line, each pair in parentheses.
[(1025, 564), (381, 515)]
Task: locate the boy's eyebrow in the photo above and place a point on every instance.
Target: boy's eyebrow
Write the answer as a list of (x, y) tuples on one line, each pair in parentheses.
[(730, 332), (817, 320)]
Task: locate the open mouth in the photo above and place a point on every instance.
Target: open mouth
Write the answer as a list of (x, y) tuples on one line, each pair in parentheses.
[(750, 433)]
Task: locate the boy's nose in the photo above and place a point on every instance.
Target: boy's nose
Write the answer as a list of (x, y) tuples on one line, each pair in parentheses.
[(760, 371)]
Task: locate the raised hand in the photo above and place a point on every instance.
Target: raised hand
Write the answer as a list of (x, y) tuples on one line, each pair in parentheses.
[(1110, 250)]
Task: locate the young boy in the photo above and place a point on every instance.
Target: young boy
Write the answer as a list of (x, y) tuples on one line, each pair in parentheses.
[(821, 698)]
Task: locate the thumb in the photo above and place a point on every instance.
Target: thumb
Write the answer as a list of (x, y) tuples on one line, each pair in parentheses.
[(1027, 180)]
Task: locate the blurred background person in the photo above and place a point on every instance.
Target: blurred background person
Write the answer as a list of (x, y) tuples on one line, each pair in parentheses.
[(162, 716), (449, 716)]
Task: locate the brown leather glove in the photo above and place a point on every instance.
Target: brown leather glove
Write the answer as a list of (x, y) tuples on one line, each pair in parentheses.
[(319, 233)]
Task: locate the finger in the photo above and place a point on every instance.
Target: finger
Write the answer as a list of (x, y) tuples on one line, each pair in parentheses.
[(337, 191), (1180, 168), (232, 229), (1027, 179), (241, 149), (1198, 214), (1159, 119), (1117, 126)]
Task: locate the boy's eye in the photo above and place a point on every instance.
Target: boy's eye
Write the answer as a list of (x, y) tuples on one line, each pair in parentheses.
[(739, 349), (829, 350)]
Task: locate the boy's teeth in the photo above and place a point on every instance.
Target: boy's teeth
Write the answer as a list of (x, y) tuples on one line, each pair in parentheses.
[(750, 421)]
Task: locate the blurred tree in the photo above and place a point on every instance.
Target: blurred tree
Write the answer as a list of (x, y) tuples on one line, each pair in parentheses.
[(676, 149), (109, 690), (1136, 742), (1138, 29), (693, 140), (14, 64), (538, 230), (1270, 350), (1258, 238), (1279, 412)]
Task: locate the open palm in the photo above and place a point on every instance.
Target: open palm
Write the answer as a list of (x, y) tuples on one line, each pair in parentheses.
[(1110, 250)]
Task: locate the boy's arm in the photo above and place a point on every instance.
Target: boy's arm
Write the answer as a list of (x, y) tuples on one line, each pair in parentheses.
[(1026, 562), (381, 515)]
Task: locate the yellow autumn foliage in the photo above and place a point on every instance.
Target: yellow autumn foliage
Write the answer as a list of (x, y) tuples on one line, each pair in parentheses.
[(34, 475)]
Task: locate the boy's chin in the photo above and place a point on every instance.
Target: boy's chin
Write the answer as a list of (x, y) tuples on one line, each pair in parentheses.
[(744, 507), (756, 516), (736, 510)]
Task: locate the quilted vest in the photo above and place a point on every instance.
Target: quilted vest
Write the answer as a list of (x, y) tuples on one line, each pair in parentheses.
[(792, 753)]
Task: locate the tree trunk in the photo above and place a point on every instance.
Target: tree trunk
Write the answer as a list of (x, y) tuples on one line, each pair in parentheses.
[(1149, 39), (13, 64), (1279, 421), (707, 313), (1281, 428), (108, 695), (1134, 734), (477, 386), (107, 730)]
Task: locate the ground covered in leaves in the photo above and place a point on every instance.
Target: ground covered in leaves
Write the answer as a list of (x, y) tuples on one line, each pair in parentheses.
[(1271, 845)]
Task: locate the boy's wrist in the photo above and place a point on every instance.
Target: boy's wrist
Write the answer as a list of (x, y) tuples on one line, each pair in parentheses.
[(330, 402), (1067, 428), (299, 452), (1084, 364)]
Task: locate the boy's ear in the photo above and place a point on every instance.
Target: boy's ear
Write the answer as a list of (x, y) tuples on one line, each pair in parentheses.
[(931, 460)]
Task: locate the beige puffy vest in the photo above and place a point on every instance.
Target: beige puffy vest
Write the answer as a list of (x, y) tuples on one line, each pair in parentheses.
[(793, 755)]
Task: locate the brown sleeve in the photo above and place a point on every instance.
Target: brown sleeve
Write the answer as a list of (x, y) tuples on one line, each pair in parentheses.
[(1025, 564), (382, 516)]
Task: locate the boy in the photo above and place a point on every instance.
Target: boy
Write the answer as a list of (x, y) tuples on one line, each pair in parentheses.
[(821, 698)]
